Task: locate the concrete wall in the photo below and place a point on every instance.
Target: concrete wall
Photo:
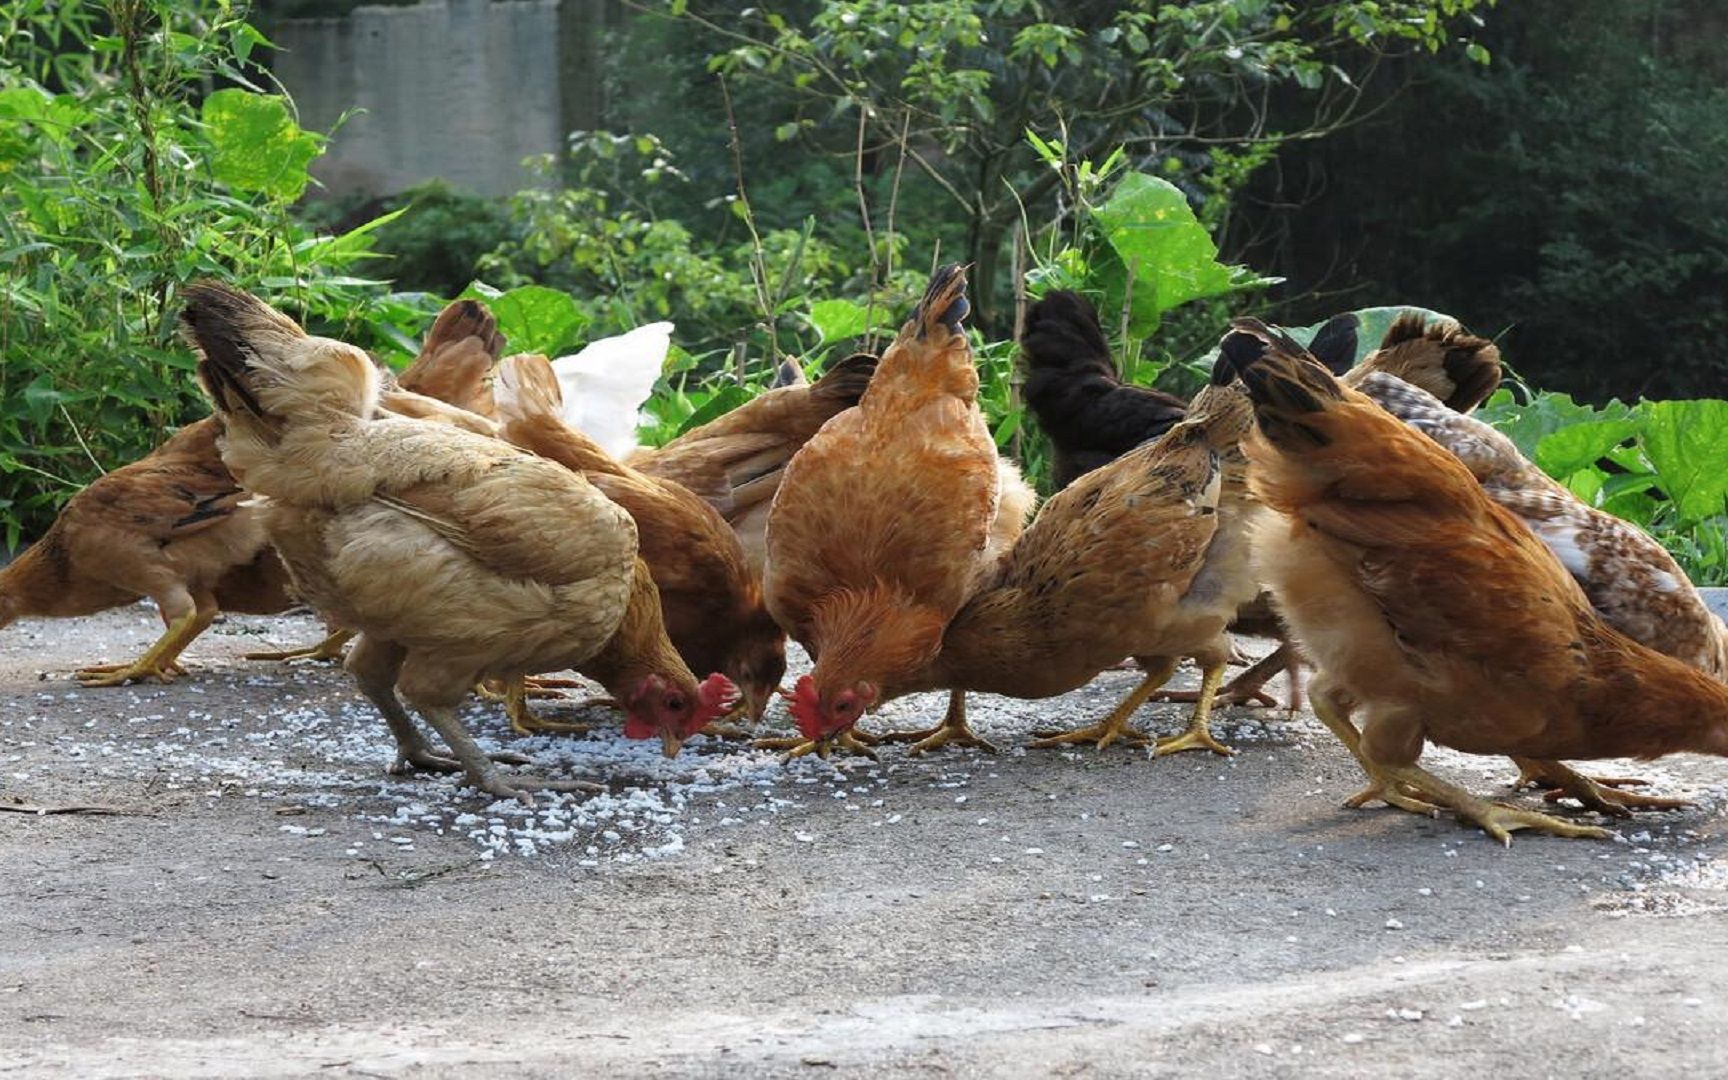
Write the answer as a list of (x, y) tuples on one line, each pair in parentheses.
[(459, 89)]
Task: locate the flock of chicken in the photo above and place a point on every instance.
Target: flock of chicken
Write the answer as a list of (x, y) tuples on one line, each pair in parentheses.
[(468, 537)]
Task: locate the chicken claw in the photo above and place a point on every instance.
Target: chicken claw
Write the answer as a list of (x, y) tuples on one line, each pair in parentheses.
[(1199, 733), (798, 746), (1599, 793), (159, 662), (1115, 726), (952, 731), (331, 648), (1496, 819)]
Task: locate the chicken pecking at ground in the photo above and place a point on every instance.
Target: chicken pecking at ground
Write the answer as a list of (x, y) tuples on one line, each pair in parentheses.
[(1091, 417), (1378, 550), (174, 527), (711, 602), (1141, 555), (882, 522), (457, 557), (736, 461)]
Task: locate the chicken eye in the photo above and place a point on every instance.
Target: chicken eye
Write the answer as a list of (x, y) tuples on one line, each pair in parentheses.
[(675, 702)]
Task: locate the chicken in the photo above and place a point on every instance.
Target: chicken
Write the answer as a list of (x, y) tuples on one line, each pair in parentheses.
[(735, 462), (1376, 552), (1089, 414), (1441, 357), (456, 361), (1091, 417), (1141, 555), (173, 526), (880, 526), (1630, 578), (711, 602), (456, 557)]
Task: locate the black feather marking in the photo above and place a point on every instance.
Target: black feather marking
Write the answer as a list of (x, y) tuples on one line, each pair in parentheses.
[(1239, 351), (787, 374), (848, 379), (1334, 344), (208, 322), (1089, 415), (1406, 327)]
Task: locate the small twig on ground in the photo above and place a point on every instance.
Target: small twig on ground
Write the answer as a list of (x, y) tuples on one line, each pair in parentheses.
[(90, 809)]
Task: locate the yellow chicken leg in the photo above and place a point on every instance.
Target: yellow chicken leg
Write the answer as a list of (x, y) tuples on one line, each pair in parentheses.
[(1115, 726), (952, 731), (1599, 793), (1496, 819), (524, 722), (331, 648), (1199, 733), (158, 661)]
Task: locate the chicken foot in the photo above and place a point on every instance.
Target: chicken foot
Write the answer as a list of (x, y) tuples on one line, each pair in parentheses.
[(1496, 819), (1337, 720), (481, 771), (523, 721), (160, 660), (1248, 688), (331, 648), (374, 666), (1199, 733), (797, 746), (952, 731), (1115, 726), (1602, 794)]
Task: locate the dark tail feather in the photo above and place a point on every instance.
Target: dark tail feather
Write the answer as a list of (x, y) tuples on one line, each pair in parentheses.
[(1285, 382), (1334, 344), (1062, 331), (944, 300), (789, 373), (212, 322), (847, 379)]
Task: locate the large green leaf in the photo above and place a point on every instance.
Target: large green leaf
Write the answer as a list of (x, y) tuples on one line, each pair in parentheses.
[(1687, 444), (1528, 425), (725, 399), (836, 320), (1160, 255), (256, 145), (1580, 445), (534, 318)]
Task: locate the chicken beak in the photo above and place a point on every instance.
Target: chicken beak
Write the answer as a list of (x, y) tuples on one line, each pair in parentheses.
[(670, 744)]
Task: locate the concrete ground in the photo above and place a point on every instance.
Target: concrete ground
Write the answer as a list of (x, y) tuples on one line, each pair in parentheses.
[(268, 903)]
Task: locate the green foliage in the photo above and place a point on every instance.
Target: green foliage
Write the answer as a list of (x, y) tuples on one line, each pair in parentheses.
[(1662, 465), (951, 86), (116, 186)]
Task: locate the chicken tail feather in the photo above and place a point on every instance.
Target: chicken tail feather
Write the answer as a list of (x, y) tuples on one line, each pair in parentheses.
[(944, 301), (226, 327), (526, 387)]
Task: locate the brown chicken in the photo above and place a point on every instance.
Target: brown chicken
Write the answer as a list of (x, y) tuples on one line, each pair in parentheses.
[(1140, 555), (1441, 358), (736, 461), (457, 557), (174, 527), (456, 361), (711, 602), (1376, 555), (880, 526)]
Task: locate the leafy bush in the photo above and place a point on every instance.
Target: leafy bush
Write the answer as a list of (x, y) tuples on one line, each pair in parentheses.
[(123, 179)]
